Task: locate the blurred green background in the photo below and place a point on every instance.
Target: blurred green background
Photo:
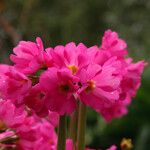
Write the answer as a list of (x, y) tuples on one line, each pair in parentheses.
[(62, 21)]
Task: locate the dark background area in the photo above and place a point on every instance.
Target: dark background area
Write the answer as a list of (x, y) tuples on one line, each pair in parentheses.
[(62, 21)]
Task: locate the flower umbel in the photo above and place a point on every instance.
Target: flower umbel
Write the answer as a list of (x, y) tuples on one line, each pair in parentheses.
[(45, 85)]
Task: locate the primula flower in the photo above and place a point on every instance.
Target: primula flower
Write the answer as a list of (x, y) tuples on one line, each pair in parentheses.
[(9, 115), (132, 77), (36, 134), (22, 132), (113, 147), (58, 87), (10, 119), (70, 56), (97, 56), (29, 56), (99, 85), (36, 104), (112, 43), (69, 144), (47, 138), (35, 101), (49, 82), (14, 85), (116, 110)]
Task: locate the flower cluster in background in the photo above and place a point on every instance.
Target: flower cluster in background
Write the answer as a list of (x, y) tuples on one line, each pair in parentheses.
[(44, 83)]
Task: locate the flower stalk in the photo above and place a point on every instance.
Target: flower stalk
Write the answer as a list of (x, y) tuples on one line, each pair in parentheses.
[(73, 127), (81, 127), (62, 133)]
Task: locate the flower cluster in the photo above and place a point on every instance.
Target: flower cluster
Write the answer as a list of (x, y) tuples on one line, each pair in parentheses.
[(19, 131), (56, 78), (51, 82)]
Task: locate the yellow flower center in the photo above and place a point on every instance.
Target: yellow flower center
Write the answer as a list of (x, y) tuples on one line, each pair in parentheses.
[(73, 68), (126, 144), (91, 86)]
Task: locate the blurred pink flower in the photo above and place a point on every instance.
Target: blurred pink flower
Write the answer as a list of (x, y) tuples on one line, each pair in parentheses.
[(132, 77), (113, 147), (69, 144), (112, 43)]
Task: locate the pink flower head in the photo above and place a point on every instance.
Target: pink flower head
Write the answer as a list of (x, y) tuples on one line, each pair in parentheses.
[(69, 144), (116, 110), (35, 101), (29, 56), (70, 56), (100, 85), (53, 118), (47, 136), (97, 56), (132, 77), (112, 43), (113, 147), (10, 116), (14, 85), (58, 87), (36, 134)]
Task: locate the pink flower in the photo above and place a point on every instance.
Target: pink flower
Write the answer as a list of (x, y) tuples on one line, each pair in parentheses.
[(6, 134), (113, 147), (58, 87), (47, 137), (116, 110), (69, 144), (100, 85), (97, 55), (36, 134), (53, 118), (70, 56), (132, 77), (35, 101), (27, 133), (14, 85), (89, 148), (29, 56), (112, 43), (48, 57), (9, 115)]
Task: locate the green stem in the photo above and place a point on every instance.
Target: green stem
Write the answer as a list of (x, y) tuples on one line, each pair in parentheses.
[(62, 133), (81, 127), (73, 127)]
